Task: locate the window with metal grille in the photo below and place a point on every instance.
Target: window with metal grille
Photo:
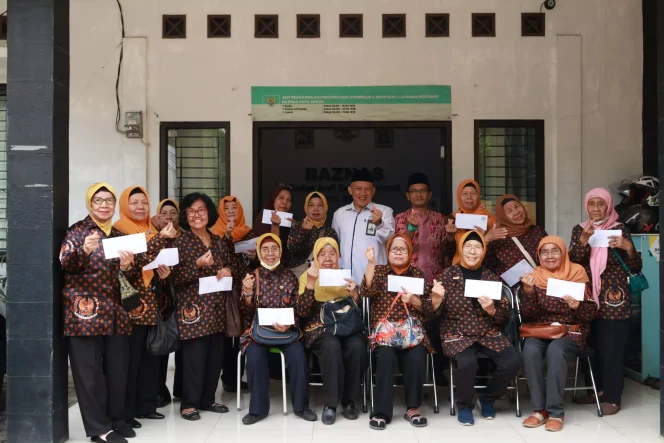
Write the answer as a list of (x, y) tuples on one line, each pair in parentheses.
[(174, 26), (394, 25), (437, 25), (350, 25), (308, 25), (484, 24), (195, 159), (266, 26), (509, 159), (3, 168), (219, 26), (532, 24)]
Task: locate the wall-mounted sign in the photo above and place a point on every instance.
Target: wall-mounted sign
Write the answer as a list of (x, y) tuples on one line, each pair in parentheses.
[(351, 103)]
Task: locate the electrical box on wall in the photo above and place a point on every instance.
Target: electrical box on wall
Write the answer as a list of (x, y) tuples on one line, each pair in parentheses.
[(134, 124)]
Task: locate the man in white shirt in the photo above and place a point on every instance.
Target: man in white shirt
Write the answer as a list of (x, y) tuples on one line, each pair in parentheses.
[(362, 224)]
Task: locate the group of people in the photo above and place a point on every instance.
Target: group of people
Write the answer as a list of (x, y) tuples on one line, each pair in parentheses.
[(114, 373)]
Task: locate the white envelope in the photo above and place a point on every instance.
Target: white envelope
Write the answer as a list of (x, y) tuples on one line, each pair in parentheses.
[(245, 246), (414, 285), (208, 285), (513, 275), (267, 216), (600, 239), (469, 221), (135, 243), (479, 288), (333, 277), (168, 257), (560, 288), (283, 316)]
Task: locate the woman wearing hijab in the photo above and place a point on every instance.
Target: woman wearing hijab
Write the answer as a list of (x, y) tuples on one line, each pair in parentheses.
[(412, 361), (232, 228), (468, 199), (304, 234), (610, 289), (142, 385), (272, 286), (342, 359), (523, 236), (279, 200), (95, 324), (201, 317), (547, 394), (470, 325)]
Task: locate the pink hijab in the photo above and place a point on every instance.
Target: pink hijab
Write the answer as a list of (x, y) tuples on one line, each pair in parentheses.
[(599, 256)]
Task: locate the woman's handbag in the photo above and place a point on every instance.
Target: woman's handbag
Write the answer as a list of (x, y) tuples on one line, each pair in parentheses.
[(163, 337), (233, 318), (404, 334), (129, 296), (547, 331), (267, 335), (637, 282), (341, 317)]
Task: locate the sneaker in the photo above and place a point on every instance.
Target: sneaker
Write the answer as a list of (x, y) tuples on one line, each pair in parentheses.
[(487, 411), (465, 417)]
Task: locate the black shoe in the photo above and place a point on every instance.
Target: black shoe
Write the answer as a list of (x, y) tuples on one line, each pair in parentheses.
[(191, 416), (152, 416), (126, 431), (113, 437), (216, 408), (329, 415), (134, 424), (350, 412), (162, 402), (307, 415), (251, 419), (244, 387)]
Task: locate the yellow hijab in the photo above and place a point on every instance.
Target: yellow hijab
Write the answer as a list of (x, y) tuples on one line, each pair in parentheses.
[(321, 223), (269, 236), (324, 293), (92, 190)]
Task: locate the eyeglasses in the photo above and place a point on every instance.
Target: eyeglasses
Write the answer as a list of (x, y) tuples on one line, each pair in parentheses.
[(554, 253), (192, 212), (99, 201), (418, 191), (274, 250), (399, 250)]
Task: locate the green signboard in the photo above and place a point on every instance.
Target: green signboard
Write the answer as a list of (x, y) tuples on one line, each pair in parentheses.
[(351, 103)]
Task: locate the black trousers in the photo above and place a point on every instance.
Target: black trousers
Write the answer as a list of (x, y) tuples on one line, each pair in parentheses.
[(342, 360), (142, 385), (163, 375), (507, 362), (258, 376), (99, 369), (412, 363), (440, 361), (229, 370), (609, 338), (177, 377), (202, 358)]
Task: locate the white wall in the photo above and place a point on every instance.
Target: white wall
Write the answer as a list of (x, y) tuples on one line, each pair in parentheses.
[(507, 77)]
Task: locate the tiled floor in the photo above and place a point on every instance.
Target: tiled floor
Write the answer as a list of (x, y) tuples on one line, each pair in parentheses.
[(638, 422)]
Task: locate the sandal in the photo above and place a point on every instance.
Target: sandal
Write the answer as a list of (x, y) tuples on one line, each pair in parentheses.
[(217, 408), (555, 424), (378, 424), (536, 420), (415, 418), (191, 415)]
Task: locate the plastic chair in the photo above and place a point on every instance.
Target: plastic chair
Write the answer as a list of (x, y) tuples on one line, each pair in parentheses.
[(512, 334), (283, 377), (587, 353)]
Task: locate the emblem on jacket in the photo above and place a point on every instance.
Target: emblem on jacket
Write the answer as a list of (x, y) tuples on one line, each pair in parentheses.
[(85, 308), (615, 296), (140, 311), (191, 314)]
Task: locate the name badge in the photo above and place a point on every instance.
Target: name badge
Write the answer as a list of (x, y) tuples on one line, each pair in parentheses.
[(371, 228)]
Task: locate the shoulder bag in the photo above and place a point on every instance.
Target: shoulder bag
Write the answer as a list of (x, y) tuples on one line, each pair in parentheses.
[(267, 335), (341, 317), (233, 318), (524, 252), (163, 337), (404, 334), (637, 281), (547, 331)]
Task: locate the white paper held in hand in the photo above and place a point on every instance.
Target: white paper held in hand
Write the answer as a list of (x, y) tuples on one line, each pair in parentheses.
[(245, 246), (333, 277), (469, 221), (208, 285), (600, 239), (413, 285), (135, 243), (267, 218), (513, 275), (561, 288), (283, 316), (481, 288), (167, 257)]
